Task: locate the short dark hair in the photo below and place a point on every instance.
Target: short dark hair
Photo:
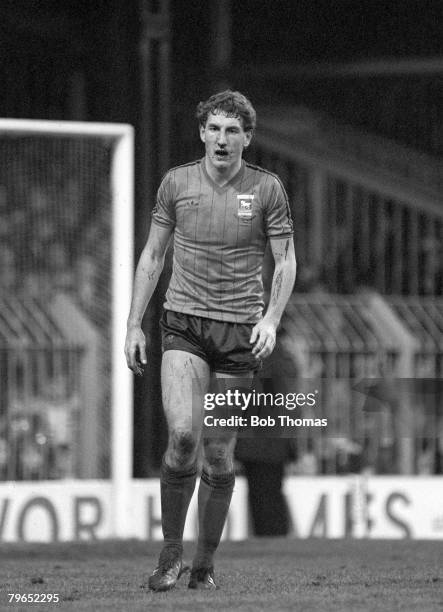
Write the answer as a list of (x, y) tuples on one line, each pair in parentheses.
[(232, 104)]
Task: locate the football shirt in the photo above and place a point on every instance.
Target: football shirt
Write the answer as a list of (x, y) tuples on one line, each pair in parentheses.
[(220, 235)]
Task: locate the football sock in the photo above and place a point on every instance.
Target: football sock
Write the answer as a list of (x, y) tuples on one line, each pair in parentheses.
[(214, 497), (176, 487)]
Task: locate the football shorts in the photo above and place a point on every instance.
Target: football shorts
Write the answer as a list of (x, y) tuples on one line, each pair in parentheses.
[(223, 345)]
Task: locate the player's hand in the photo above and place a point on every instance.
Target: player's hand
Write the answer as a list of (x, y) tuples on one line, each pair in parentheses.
[(135, 350), (263, 338)]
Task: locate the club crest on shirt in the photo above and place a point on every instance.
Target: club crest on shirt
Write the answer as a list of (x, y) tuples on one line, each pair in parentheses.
[(245, 206)]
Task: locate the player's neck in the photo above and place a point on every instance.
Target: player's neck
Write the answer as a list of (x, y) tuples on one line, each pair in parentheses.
[(221, 176)]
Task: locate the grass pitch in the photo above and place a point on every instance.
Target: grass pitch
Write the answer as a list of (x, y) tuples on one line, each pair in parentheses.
[(262, 574)]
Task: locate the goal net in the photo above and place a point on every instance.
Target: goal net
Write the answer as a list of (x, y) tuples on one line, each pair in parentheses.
[(65, 279)]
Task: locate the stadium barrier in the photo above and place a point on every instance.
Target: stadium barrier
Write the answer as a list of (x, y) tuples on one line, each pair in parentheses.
[(49, 406), (323, 507), (367, 355)]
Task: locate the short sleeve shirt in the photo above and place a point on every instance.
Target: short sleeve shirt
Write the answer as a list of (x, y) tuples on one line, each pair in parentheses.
[(220, 235)]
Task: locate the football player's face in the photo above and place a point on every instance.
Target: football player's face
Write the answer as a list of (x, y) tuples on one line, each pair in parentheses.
[(224, 139)]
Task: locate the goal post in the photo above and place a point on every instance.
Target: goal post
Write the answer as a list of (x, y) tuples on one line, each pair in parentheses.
[(122, 380), (67, 199)]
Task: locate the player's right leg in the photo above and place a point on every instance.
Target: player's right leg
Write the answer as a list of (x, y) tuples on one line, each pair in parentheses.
[(185, 380)]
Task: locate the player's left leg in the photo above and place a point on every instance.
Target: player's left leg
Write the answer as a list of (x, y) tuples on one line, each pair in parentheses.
[(214, 493)]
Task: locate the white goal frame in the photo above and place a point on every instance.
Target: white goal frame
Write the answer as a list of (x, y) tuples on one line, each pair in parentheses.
[(122, 240)]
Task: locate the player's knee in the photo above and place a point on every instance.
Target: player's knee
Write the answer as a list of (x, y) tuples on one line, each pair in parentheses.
[(217, 455), (182, 447)]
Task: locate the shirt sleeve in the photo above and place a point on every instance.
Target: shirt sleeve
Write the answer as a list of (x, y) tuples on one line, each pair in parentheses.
[(278, 219), (164, 209)]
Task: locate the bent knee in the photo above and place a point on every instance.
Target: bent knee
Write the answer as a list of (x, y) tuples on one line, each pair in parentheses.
[(218, 455), (181, 448)]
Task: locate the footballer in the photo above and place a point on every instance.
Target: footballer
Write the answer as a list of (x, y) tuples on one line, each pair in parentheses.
[(222, 212)]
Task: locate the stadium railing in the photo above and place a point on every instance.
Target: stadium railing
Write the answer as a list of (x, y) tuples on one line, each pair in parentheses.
[(363, 217), (378, 365), (49, 400)]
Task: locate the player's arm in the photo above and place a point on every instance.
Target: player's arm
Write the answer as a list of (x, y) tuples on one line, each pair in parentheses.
[(147, 274), (264, 333)]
